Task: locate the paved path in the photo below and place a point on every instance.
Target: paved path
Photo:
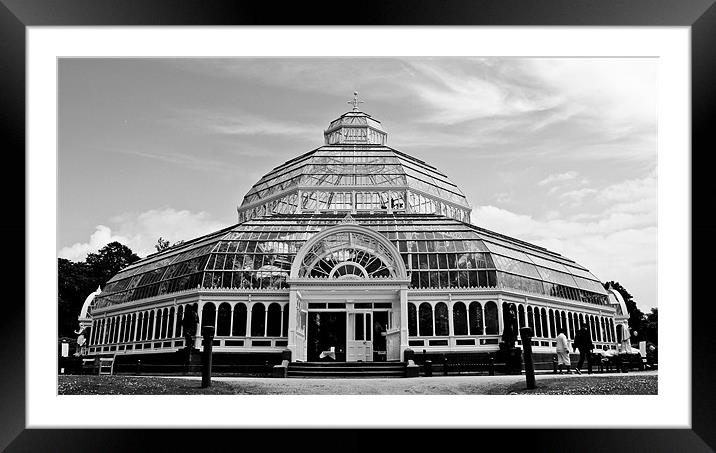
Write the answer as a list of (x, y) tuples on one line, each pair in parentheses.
[(602, 383)]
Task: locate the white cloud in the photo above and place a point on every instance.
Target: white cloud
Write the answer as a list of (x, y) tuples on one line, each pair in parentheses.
[(577, 195), (102, 236), (559, 177), (140, 231), (457, 93)]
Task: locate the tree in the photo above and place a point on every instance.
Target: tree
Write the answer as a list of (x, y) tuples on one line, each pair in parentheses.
[(162, 244), (650, 324), (109, 260), (75, 283), (77, 280), (637, 318)]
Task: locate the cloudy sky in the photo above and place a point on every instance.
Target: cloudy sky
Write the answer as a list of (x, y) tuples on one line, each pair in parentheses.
[(558, 152)]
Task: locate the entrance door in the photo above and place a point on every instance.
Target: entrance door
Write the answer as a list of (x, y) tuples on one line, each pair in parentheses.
[(360, 336), (380, 327), (326, 336)]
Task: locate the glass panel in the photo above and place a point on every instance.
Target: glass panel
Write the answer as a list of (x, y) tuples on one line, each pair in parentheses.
[(358, 326)]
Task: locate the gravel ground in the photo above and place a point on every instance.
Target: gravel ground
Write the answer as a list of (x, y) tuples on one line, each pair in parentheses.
[(635, 383)]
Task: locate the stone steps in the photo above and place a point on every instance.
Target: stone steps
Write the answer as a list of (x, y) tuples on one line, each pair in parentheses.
[(346, 369)]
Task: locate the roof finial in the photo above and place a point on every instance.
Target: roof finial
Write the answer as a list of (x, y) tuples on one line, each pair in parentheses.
[(355, 101)]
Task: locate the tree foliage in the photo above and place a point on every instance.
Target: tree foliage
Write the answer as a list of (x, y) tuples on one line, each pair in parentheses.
[(646, 325), (162, 244), (77, 280)]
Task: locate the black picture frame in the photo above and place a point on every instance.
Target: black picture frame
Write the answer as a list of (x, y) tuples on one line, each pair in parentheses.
[(700, 15)]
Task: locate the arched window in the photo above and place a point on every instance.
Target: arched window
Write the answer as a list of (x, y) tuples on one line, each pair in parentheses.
[(581, 322), (258, 320), (611, 327), (132, 319), (571, 325), (506, 318), (551, 324), (476, 319), (273, 328), (170, 323), (223, 321), (593, 335), (284, 325), (426, 320), (123, 328), (605, 332), (565, 326), (538, 322), (521, 315), (531, 320), (110, 336), (345, 254), (120, 331), (141, 325), (239, 329), (127, 325), (412, 320), (441, 319), (620, 333), (180, 318), (165, 316), (208, 316), (492, 326), (150, 326), (545, 324), (459, 318)]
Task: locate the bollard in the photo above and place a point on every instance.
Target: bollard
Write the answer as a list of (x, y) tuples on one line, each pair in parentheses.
[(554, 365), (208, 333), (445, 365), (408, 355), (139, 366), (428, 368), (526, 336)]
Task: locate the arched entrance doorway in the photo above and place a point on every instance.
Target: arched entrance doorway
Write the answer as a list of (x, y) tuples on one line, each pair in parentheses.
[(347, 287)]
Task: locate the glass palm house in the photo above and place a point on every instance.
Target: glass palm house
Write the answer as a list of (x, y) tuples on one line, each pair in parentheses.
[(354, 250)]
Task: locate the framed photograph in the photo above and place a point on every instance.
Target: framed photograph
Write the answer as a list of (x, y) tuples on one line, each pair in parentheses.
[(483, 171)]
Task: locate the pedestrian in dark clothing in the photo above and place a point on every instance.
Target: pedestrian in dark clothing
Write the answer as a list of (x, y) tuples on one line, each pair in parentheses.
[(583, 342)]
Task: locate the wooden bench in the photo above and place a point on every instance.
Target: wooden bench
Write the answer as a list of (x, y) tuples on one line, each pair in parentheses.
[(458, 362), (630, 361)]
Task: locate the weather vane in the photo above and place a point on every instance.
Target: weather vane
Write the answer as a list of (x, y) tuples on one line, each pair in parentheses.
[(355, 101)]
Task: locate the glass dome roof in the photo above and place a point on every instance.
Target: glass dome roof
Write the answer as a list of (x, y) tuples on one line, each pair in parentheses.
[(397, 198), (355, 171), (438, 252)]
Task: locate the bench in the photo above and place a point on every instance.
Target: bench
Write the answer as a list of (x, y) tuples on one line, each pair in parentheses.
[(630, 361), (458, 362)]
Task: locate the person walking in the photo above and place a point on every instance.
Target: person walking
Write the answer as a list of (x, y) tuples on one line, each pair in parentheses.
[(563, 352), (583, 342)]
